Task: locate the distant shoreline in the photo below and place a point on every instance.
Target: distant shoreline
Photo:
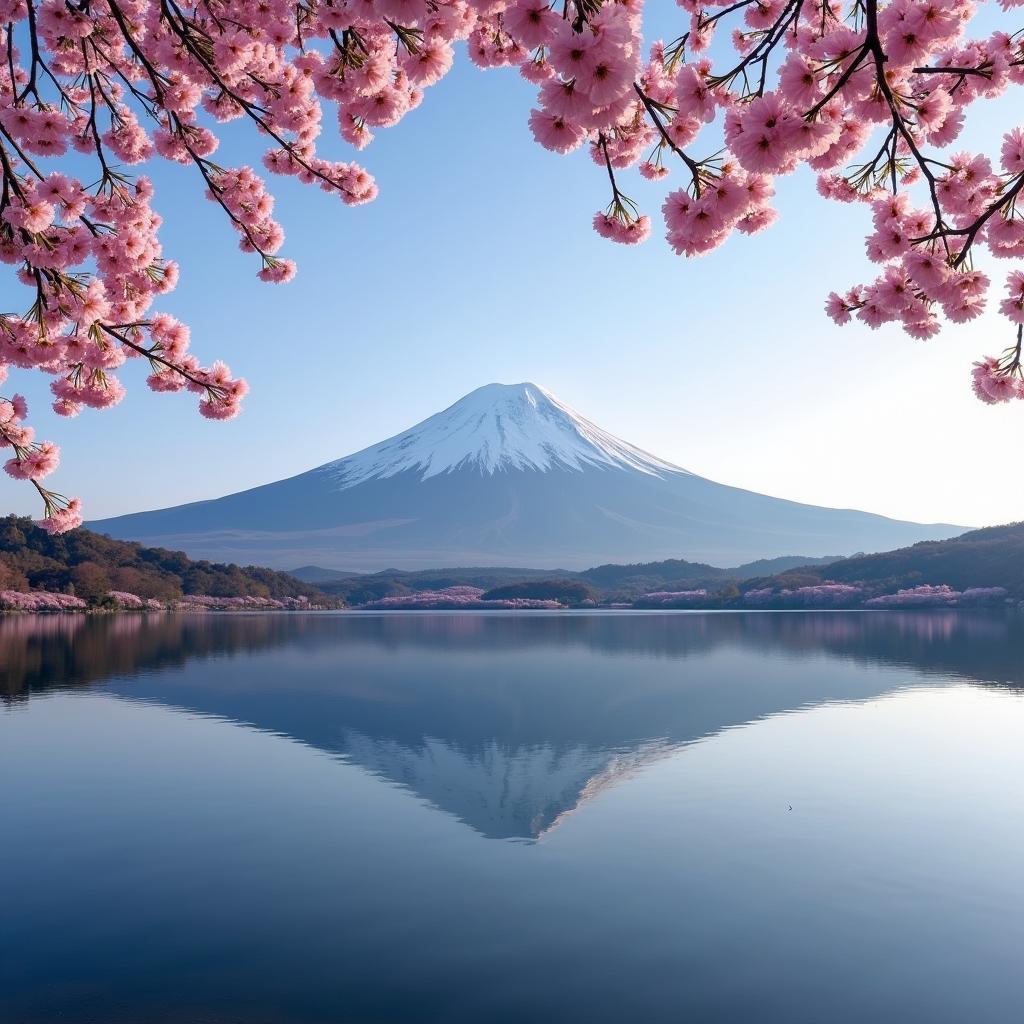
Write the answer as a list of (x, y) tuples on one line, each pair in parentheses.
[(598, 610)]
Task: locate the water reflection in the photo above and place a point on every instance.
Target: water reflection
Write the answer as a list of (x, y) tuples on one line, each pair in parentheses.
[(306, 820), (506, 722), (59, 650)]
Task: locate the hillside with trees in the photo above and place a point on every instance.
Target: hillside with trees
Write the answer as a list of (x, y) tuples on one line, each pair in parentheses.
[(90, 566), (982, 567), (364, 588), (604, 584), (990, 558), (573, 593)]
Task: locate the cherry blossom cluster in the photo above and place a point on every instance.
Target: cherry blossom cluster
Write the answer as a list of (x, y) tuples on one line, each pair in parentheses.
[(673, 598), (132, 602), (40, 601), (45, 601), (834, 595), (867, 94), (99, 86), (820, 595), (925, 596), (455, 598), (33, 460), (826, 594), (205, 603)]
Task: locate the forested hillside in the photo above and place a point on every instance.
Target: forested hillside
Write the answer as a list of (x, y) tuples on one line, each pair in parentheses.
[(981, 567), (991, 557), (90, 566)]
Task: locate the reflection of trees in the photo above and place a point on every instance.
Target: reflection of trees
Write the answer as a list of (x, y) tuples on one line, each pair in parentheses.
[(979, 646), (49, 650), (38, 651)]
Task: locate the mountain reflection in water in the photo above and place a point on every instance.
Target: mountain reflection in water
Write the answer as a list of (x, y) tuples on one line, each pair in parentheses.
[(506, 722)]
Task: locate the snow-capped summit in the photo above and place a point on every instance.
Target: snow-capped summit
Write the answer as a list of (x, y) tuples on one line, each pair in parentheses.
[(496, 428), (508, 475)]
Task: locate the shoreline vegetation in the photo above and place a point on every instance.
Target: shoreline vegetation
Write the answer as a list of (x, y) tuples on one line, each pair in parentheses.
[(191, 608), (86, 572)]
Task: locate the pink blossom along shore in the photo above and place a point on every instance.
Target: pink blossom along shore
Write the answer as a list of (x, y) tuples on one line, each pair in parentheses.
[(829, 595), (833, 595), (117, 600), (455, 598), (466, 598)]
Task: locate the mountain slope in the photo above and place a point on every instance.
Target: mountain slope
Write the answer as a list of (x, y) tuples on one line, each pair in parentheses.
[(507, 476)]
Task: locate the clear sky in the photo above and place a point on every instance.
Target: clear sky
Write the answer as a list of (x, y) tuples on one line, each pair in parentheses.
[(477, 263)]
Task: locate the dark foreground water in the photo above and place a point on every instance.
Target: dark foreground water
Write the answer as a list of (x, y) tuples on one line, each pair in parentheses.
[(512, 818)]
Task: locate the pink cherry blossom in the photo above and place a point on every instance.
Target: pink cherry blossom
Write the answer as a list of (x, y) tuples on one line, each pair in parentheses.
[(924, 596), (455, 598), (556, 132), (1012, 307), (40, 601)]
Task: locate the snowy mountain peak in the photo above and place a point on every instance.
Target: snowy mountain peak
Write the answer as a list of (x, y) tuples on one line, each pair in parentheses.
[(498, 427)]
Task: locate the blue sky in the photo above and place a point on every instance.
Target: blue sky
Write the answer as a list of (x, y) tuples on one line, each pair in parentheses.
[(477, 263)]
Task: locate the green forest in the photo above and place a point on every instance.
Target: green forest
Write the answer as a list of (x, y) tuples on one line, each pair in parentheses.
[(89, 565)]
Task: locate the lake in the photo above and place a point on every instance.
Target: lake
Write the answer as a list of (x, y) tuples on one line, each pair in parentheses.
[(475, 817)]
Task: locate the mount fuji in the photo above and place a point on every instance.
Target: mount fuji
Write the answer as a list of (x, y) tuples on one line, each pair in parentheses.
[(508, 476)]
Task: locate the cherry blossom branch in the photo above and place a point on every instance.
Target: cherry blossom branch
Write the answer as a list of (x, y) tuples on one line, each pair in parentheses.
[(169, 9), (652, 112), (980, 71), (873, 42), (214, 391)]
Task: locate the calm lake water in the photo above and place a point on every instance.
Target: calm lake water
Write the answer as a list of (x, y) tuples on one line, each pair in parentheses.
[(512, 818)]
